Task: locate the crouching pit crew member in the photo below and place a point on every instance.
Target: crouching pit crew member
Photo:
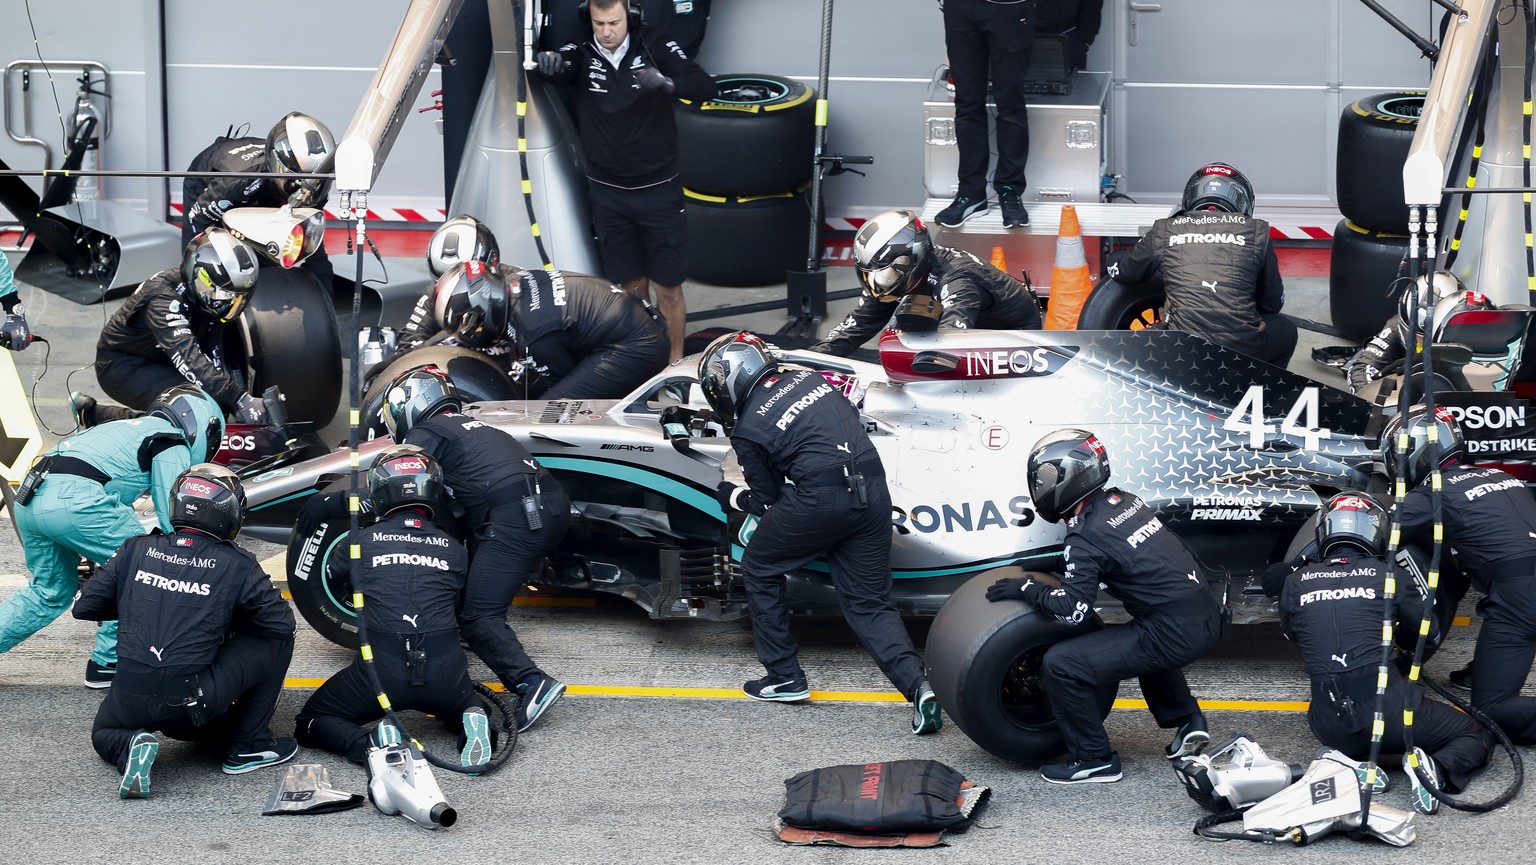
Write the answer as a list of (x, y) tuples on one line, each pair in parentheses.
[(1113, 540), (1383, 352), (518, 513), (816, 482), (205, 638), (1490, 521), (77, 502), (1334, 610), (410, 573), (895, 257)]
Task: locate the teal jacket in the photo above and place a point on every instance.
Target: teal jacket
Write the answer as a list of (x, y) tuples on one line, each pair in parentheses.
[(143, 454)]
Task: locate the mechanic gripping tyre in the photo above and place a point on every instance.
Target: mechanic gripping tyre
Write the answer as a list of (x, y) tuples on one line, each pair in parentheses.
[(739, 240), (289, 337), (1362, 278), (1113, 305), (983, 661), (758, 136), (1374, 134)]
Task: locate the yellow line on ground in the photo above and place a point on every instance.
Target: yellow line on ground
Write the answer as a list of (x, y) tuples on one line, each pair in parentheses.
[(1461, 621)]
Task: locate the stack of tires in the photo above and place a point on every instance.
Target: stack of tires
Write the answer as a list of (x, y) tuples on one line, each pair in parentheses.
[(746, 170), (1370, 244)]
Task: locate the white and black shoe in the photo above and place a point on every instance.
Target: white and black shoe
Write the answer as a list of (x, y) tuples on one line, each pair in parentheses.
[(539, 692), (1104, 771), (926, 715), (1189, 738), (141, 758), (777, 689), (1424, 801), (959, 210), (280, 751)]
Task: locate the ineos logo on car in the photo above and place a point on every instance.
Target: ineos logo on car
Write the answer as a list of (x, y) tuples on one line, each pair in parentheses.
[(238, 443)]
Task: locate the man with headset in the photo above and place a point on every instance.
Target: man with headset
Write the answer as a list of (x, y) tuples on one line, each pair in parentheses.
[(625, 78)]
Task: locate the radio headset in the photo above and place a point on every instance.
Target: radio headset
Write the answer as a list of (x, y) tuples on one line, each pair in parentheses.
[(633, 8)]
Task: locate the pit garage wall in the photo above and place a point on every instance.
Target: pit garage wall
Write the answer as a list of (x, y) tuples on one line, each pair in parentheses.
[(1255, 82)]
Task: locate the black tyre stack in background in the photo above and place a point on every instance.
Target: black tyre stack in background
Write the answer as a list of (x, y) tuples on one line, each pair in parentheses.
[(1370, 244), (746, 169)]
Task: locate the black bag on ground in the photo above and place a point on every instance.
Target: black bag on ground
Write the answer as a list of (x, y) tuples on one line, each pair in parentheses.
[(899, 796)]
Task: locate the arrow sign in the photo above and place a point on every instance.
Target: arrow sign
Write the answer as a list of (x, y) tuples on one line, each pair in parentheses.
[(20, 440)]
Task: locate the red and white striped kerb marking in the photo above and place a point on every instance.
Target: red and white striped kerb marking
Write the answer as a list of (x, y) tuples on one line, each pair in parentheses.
[(1299, 232), (422, 215)]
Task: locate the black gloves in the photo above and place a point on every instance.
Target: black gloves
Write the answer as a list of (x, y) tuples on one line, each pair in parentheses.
[(650, 78), (734, 497), (1015, 589), (14, 333), (550, 63), (250, 409)]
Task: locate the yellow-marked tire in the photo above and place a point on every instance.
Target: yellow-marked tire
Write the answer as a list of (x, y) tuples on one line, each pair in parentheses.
[(1374, 134), (1363, 274), (747, 240), (757, 136)]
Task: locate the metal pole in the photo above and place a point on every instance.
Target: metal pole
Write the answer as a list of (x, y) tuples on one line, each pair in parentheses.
[(813, 252)]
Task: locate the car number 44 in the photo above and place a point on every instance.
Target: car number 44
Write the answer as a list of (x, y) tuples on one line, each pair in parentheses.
[(1300, 420)]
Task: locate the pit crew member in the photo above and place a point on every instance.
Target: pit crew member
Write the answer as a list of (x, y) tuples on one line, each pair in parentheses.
[(1218, 267), (410, 573), (205, 638), (1382, 353), (1113, 540), (518, 512), (77, 502), (14, 333), (895, 257), (816, 483)]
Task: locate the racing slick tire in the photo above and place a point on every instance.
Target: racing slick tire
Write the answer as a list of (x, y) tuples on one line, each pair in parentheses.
[(289, 337), (324, 602), (983, 661), (758, 136), (742, 240), (1113, 305), (1374, 134), (1362, 275), (478, 378)]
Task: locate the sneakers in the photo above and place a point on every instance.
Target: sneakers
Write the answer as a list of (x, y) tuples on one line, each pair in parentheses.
[(280, 751), (1424, 801), (386, 734), (477, 738), (141, 756), (926, 717), (1189, 738), (960, 210), (99, 676), (539, 692), (1014, 214), (1102, 771), (1382, 785), (777, 689), (1462, 678), (83, 409)]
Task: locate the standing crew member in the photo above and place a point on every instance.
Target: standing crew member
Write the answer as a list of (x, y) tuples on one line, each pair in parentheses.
[(410, 573), (518, 512), (625, 80), (817, 484), (1113, 540), (171, 331), (1334, 610), (896, 257), (14, 333), (989, 41), (1490, 521), (296, 144), (206, 638), (1217, 266), (77, 502)]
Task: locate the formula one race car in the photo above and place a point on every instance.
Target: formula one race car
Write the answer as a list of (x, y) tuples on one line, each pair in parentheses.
[(1235, 455)]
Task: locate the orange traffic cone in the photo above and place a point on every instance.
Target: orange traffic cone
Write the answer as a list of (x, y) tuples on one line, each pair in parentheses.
[(1070, 280), (999, 260)]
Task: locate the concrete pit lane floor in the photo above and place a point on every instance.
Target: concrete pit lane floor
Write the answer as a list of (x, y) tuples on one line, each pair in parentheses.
[(655, 756)]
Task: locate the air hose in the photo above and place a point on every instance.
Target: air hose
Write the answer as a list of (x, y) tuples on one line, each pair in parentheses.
[(524, 48)]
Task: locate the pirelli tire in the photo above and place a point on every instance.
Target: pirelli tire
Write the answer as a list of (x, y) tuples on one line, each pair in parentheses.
[(1374, 134), (746, 240), (984, 662), (1363, 278), (289, 337), (478, 378), (1113, 305), (758, 136), (324, 602)]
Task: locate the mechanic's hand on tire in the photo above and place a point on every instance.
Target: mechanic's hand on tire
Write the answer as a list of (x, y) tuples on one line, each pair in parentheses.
[(650, 78), (1010, 589), (251, 409), (14, 333), (550, 62)]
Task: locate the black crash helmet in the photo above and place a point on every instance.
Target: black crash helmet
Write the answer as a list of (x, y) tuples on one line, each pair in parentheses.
[(300, 144), (208, 498), (1423, 455), (730, 367), (1353, 520), (1065, 467), (893, 254), (220, 272), (460, 239), (416, 395), (1218, 186), (196, 414), (405, 476), (474, 303)]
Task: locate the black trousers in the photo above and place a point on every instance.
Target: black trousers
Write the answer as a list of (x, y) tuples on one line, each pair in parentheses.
[(802, 526), (1153, 649), (617, 369), (133, 381), (1458, 744), (987, 41), (240, 690), (1506, 646), (504, 553), (331, 718)]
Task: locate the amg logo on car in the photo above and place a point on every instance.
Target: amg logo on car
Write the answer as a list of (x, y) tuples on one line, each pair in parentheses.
[(642, 448), (1488, 416)]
